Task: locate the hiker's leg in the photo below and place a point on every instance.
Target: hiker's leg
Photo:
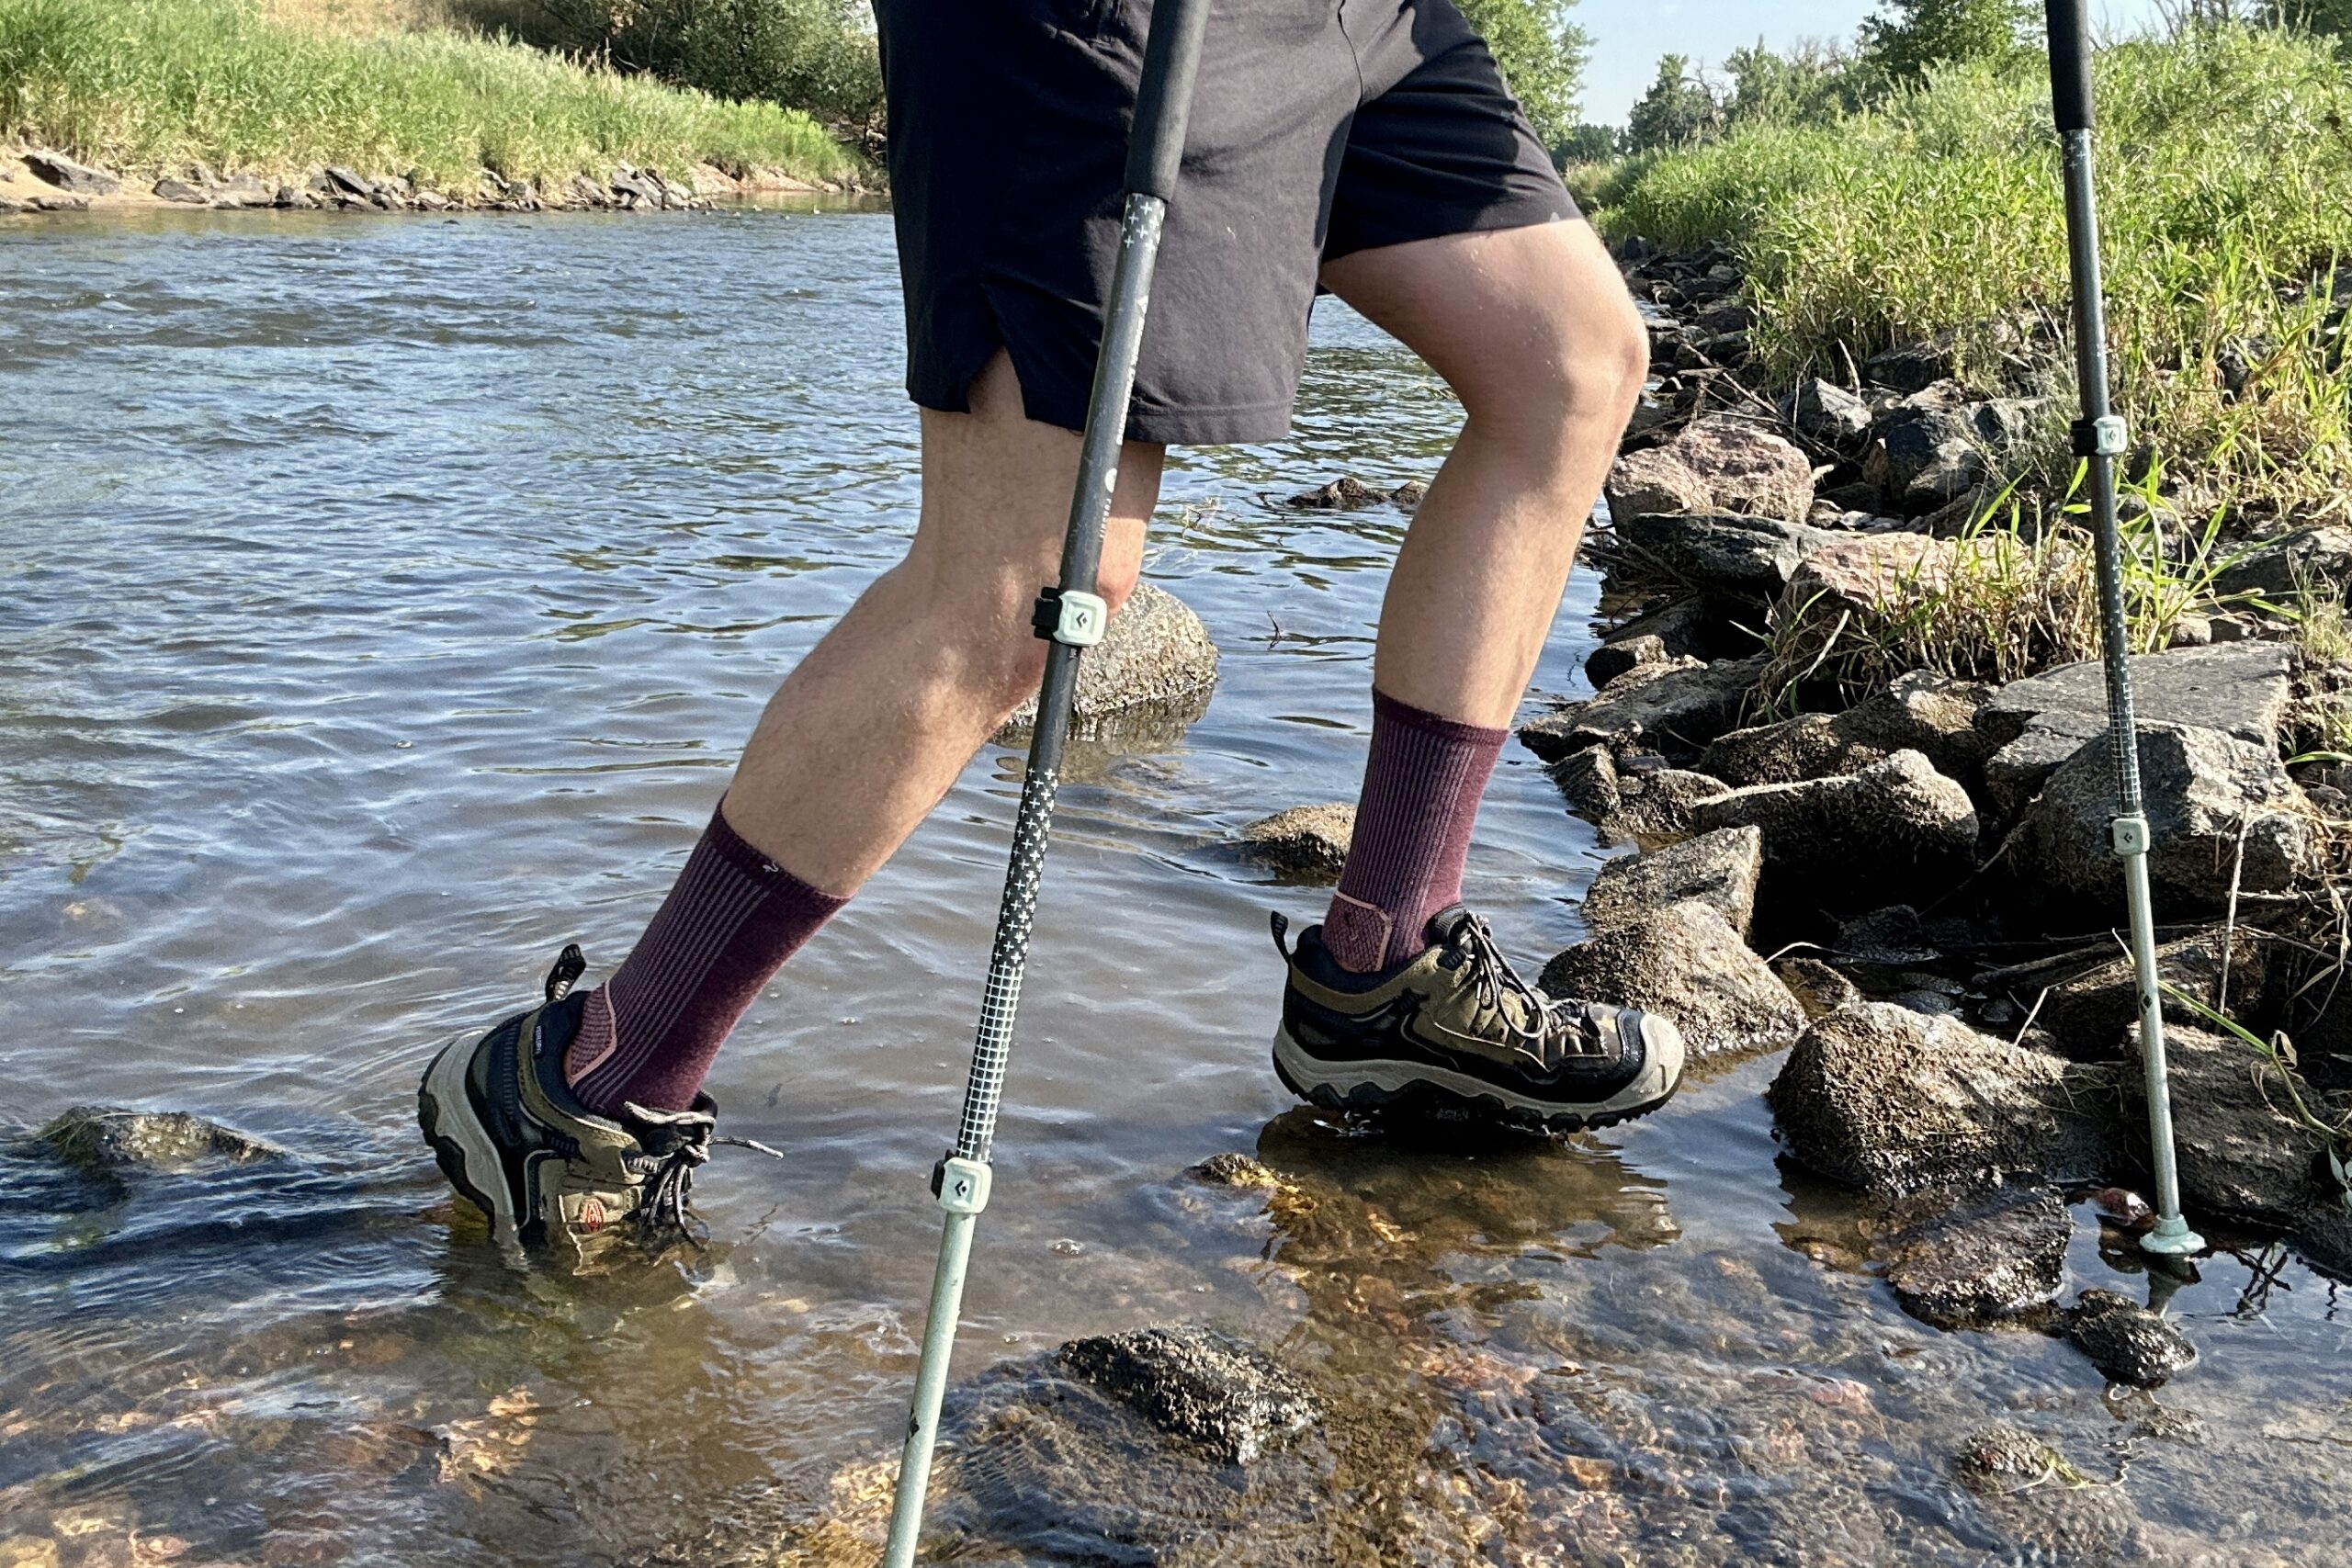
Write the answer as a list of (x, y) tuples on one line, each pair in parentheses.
[(1534, 331), (861, 741)]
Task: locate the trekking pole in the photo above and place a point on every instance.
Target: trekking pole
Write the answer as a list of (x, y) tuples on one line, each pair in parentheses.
[(2100, 437), (1071, 617)]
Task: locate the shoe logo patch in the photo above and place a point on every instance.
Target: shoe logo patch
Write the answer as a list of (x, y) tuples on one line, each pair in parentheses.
[(592, 1215)]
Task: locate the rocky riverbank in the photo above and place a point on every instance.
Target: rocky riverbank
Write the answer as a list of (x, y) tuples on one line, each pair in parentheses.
[(35, 181)]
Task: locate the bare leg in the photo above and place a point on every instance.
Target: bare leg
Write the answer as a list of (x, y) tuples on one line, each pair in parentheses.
[(871, 729), (1535, 333)]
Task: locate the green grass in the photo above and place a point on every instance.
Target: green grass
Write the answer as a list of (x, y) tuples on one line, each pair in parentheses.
[(2226, 188), (159, 83)]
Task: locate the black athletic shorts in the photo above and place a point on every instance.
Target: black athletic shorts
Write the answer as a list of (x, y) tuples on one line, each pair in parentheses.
[(1320, 127)]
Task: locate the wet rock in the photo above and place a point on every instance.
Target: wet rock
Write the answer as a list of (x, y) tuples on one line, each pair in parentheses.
[(2240, 689), (1826, 412), (1613, 659), (1817, 986), (1409, 495), (1718, 869), (1957, 1261), (1687, 963), (1713, 550), (2094, 1015), (1220, 1394), (2125, 1341), (1230, 1170), (2280, 568), (2001, 1460), (169, 189), (1920, 712), (2215, 804), (1678, 712), (1346, 494), (68, 175), (1306, 841), (60, 203), (1642, 804), (1153, 672), (1896, 1102), (1896, 824), (2241, 1155), (1907, 368), (101, 1137)]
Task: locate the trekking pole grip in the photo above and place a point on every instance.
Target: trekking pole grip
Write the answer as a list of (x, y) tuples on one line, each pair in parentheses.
[(1171, 58), (2070, 62)]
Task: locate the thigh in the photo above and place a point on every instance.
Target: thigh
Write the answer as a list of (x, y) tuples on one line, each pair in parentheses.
[(997, 490)]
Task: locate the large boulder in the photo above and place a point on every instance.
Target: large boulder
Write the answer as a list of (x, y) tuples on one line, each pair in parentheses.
[(2240, 689), (2318, 558), (66, 175), (1677, 711), (1961, 1260), (1896, 1102), (1718, 464), (1306, 841), (1918, 712), (1896, 824), (1718, 869), (1712, 551), (1687, 964), (2243, 1154), (2220, 812), (1150, 676)]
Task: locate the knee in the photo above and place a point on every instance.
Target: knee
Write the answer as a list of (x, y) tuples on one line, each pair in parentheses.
[(1573, 386)]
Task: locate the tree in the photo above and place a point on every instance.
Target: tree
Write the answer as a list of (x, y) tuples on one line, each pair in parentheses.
[(1542, 54), (1909, 37), (1585, 144), (2329, 17), (1812, 85), (1679, 110)]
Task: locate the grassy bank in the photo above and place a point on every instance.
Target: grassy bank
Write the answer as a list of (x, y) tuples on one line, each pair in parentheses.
[(158, 83), (2227, 182)]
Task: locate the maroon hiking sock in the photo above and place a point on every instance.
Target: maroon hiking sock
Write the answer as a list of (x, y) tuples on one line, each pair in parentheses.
[(1412, 835), (649, 1034)]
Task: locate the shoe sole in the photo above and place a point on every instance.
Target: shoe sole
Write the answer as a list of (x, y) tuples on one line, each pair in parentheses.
[(460, 1143), (1419, 1087)]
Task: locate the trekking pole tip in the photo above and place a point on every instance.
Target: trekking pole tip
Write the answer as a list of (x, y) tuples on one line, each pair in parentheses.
[(2171, 1238)]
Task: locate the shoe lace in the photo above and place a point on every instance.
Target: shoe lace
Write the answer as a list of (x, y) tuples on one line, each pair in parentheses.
[(666, 1215), (1540, 1025)]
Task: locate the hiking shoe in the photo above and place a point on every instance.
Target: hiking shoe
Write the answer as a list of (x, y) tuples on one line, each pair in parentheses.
[(547, 1171), (1455, 1029)]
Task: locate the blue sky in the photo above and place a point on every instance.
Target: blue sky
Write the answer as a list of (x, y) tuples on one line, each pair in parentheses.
[(1628, 36)]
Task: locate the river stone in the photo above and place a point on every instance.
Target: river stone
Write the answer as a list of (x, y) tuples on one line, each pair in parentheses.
[(2125, 1341), (68, 175), (2206, 794), (1235, 1169), (1819, 987), (1203, 1385), (102, 1137), (2241, 689), (1690, 628), (1677, 711), (1751, 557), (1155, 667), (1907, 368), (1958, 1261), (1896, 1102), (2095, 1015), (1306, 841), (1641, 803), (1918, 712), (1618, 657), (1687, 964), (1346, 494), (169, 189), (1896, 824), (2318, 558), (1825, 412), (2002, 1458), (1718, 869)]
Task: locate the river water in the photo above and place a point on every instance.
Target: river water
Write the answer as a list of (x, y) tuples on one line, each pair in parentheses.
[(384, 601)]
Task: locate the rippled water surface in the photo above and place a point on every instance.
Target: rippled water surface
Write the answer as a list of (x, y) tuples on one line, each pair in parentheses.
[(383, 604)]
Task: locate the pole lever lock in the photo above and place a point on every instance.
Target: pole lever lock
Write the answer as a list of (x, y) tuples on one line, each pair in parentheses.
[(1071, 617), (2107, 437), (2130, 836), (961, 1185)]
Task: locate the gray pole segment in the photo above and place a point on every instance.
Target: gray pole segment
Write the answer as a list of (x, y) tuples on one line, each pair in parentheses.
[(2099, 439), (1072, 618)]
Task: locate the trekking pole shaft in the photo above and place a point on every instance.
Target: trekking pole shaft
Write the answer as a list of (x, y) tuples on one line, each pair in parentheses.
[(1072, 618), (2099, 439)]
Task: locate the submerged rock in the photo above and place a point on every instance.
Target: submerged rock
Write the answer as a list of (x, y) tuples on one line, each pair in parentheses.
[(101, 1137), (1686, 962), (2125, 1341), (1896, 824), (1894, 1101), (2002, 1458), (1304, 841), (1716, 869), (1678, 710), (1152, 674), (2220, 809), (1720, 463), (1220, 1394), (1346, 494), (1232, 1169), (1956, 1262)]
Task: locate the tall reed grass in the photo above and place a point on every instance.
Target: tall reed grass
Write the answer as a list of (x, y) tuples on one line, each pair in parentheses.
[(154, 83)]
